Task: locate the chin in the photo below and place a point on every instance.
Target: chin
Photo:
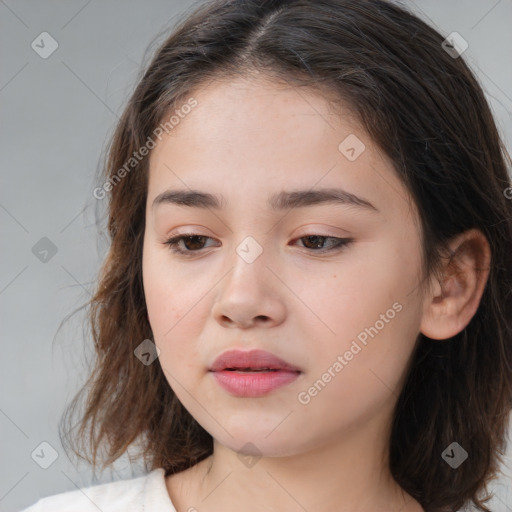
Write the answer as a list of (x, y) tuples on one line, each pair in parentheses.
[(257, 443)]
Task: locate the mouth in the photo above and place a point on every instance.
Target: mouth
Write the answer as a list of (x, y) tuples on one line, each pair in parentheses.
[(251, 361), (250, 370), (252, 374)]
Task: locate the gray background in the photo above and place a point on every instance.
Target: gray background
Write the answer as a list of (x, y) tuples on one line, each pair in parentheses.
[(57, 114)]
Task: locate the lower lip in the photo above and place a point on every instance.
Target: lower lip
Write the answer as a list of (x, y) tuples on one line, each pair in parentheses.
[(251, 384)]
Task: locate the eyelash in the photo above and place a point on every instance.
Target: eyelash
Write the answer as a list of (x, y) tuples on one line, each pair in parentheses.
[(173, 242)]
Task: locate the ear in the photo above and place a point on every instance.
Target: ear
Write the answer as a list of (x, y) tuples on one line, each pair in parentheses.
[(451, 304)]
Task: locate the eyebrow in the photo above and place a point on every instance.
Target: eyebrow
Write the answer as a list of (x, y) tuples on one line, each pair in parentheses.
[(279, 201)]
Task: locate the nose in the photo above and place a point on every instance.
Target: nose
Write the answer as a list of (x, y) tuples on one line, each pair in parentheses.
[(250, 295)]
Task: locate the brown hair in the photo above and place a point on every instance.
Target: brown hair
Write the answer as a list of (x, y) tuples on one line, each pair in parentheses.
[(427, 112)]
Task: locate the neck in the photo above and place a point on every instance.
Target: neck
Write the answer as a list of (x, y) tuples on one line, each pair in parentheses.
[(348, 473)]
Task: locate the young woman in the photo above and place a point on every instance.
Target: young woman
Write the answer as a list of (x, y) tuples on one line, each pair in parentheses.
[(306, 304)]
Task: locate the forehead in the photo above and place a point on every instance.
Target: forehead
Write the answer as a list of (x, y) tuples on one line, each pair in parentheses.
[(263, 108), (251, 137)]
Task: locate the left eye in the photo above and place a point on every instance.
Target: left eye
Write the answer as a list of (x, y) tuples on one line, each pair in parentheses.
[(315, 240), (193, 243)]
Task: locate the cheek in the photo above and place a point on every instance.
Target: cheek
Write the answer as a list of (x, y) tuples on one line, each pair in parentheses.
[(349, 299), (165, 295), (370, 372), (174, 310), (371, 313), (161, 299)]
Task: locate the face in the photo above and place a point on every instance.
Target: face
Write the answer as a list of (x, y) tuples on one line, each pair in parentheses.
[(329, 286)]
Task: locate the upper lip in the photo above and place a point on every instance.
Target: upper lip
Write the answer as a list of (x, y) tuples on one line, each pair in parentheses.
[(254, 359)]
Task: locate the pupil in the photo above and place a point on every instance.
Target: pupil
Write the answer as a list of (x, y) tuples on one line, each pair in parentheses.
[(194, 237), (317, 240)]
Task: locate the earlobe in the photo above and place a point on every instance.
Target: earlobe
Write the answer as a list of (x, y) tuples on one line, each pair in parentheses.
[(453, 302)]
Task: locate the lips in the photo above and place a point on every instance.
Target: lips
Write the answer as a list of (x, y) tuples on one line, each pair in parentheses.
[(252, 374), (254, 360)]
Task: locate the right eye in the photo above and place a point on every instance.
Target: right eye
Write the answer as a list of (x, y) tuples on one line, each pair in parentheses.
[(191, 242)]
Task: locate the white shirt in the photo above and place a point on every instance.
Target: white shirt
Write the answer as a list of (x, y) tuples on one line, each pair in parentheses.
[(142, 494)]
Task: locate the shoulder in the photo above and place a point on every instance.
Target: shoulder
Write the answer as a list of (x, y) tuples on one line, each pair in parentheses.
[(145, 493)]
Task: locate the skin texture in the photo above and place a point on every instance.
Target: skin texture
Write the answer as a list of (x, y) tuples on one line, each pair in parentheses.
[(247, 139)]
